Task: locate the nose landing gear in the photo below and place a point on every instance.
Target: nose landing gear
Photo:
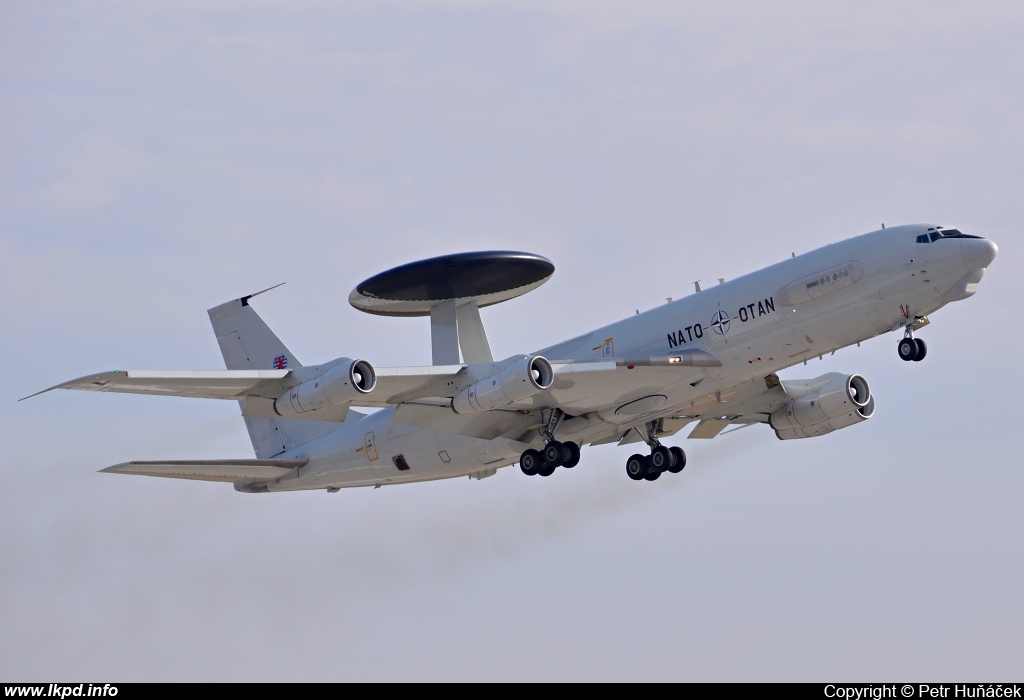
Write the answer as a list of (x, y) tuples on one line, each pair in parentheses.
[(913, 349), (661, 459)]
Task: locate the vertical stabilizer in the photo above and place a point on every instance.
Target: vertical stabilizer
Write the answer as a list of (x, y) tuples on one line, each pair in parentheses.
[(246, 342)]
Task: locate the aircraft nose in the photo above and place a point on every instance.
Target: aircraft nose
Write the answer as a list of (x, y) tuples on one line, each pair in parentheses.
[(978, 253)]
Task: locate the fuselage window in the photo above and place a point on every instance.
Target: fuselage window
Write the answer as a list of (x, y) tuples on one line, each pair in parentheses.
[(935, 235), (923, 238)]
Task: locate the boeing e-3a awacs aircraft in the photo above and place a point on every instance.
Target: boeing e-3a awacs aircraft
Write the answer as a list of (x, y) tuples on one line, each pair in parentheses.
[(710, 359)]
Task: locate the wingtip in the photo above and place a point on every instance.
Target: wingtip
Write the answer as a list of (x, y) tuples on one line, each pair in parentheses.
[(37, 393), (70, 384)]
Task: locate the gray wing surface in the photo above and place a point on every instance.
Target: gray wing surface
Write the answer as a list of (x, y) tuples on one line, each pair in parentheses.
[(200, 384), (212, 470), (422, 396)]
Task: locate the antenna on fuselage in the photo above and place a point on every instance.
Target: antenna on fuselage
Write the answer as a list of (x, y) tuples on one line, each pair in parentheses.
[(696, 285), (247, 297)]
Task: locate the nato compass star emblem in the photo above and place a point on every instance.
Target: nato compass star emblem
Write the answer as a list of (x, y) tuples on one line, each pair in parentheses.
[(720, 322)]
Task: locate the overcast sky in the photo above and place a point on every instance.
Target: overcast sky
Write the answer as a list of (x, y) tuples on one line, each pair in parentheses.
[(157, 159)]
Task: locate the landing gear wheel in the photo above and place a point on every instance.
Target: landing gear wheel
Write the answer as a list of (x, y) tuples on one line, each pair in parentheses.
[(554, 454), (908, 349), (572, 450), (680, 460), (529, 462), (546, 471), (661, 459), (652, 476), (922, 349), (636, 467)]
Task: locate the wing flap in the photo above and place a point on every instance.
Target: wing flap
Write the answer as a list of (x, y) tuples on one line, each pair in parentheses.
[(708, 429), (212, 470), (397, 385)]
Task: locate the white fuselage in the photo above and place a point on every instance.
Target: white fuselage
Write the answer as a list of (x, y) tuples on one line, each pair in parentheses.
[(755, 325)]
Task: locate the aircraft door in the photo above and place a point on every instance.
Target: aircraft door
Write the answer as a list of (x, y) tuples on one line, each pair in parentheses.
[(370, 446)]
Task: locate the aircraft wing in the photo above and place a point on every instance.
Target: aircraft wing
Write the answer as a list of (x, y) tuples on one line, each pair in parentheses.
[(200, 384), (606, 387), (394, 385), (212, 470), (579, 386), (743, 405), (623, 387)]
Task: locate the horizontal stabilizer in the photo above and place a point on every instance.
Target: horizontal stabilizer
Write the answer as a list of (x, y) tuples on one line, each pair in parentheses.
[(199, 384), (212, 470)]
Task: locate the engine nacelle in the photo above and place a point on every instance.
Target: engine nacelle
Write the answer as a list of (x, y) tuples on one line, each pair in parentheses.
[(840, 402), (520, 380), (340, 384), (844, 421)]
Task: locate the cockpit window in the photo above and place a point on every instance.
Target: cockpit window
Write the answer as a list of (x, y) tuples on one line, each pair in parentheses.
[(953, 233), (934, 235)]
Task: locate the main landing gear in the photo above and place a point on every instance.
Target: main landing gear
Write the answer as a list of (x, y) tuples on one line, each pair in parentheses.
[(661, 459), (913, 349), (555, 454), (567, 454)]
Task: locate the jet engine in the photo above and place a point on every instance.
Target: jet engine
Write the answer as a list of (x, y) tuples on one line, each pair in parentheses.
[(828, 403), (520, 380), (339, 385)]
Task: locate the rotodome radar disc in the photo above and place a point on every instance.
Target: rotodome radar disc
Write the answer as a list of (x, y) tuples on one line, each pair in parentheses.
[(489, 277)]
